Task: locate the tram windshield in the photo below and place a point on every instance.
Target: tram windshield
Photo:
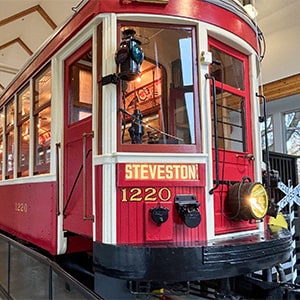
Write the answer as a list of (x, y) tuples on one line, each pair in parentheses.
[(159, 107)]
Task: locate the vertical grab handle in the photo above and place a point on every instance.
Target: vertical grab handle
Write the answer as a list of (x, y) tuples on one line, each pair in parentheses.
[(84, 171), (215, 113), (57, 145)]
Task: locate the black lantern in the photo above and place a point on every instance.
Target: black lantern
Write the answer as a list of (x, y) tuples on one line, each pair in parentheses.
[(129, 56)]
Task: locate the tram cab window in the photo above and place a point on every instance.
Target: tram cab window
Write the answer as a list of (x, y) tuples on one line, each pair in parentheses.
[(81, 88), (9, 136), (23, 123), (159, 106), (42, 121), (1, 143)]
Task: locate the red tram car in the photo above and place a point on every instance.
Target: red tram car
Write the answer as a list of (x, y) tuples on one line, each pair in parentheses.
[(133, 133)]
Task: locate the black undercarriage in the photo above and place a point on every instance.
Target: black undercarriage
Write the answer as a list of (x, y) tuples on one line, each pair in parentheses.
[(186, 262)]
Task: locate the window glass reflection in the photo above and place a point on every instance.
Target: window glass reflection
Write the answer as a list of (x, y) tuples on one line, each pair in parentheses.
[(158, 108), (42, 121), (9, 133), (23, 131), (231, 121), (81, 88), (227, 69)]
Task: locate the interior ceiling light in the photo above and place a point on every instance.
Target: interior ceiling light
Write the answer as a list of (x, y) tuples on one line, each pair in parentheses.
[(247, 201), (251, 11)]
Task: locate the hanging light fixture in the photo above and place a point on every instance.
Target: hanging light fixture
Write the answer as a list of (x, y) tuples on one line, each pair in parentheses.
[(250, 9)]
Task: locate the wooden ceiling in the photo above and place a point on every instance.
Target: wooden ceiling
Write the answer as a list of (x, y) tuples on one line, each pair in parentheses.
[(282, 88), (24, 26)]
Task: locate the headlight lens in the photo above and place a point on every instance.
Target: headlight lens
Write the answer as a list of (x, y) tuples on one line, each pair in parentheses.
[(247, 201), (258, 201)]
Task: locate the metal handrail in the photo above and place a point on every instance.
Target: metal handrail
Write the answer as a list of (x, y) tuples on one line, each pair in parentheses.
[(57, 178)]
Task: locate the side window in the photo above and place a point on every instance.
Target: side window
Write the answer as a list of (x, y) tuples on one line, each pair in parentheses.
[(23, 124), (9, 136), (292, 135), (270, 133), (159, 107), (42, 120), (80, 82), (1, 142)]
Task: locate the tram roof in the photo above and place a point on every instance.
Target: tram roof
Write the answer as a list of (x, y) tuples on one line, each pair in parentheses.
[(25, 25)]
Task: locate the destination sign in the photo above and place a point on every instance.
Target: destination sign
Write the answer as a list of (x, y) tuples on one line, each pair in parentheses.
[(150, 171)]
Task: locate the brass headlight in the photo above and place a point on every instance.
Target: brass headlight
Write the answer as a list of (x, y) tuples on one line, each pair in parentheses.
[(247, 201)]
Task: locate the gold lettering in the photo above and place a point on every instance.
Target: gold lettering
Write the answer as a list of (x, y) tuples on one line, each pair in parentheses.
[(144, 172), (169, 172), (136, 168), (124, 195), (160, 172), (128, 171), (137, 171), (193, 171), (136, 192), (152, 169), (21, 207), (150, 194), (177, 171), (164, 194)]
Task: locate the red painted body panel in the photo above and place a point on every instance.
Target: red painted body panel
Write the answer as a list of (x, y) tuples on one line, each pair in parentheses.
[(29, 211), (77, 214), (136, 198), (232, 165), (135, 225), (195, 9)]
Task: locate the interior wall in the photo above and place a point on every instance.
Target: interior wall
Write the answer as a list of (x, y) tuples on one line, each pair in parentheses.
[(280, 25)]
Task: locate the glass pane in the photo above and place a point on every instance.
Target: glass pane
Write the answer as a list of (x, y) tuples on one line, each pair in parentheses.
[(292, 132), (42, 121), (23, 131), (9, 154), (269, 127), (231, 121), (10, 114), (42, 88), (23, 151), (228, 70), (81, 88), (158, 107), (23, 104), (42, 141), (1, 142)]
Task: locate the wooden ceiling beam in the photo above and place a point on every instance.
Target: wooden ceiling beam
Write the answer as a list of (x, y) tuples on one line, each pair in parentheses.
[(26, 12), (282, 88), (17, 41)]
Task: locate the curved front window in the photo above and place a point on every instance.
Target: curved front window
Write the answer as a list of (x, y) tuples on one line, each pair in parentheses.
[(158, 108)]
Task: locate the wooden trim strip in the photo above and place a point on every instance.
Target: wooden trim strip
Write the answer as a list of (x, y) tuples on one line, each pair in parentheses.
[(282, 88), (18, 41), (23, 13)]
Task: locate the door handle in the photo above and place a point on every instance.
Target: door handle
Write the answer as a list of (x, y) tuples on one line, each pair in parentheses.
[(85, 154)]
